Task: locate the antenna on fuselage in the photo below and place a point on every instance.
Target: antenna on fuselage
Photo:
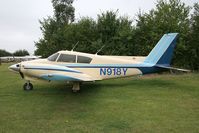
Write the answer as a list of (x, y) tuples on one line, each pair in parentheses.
[(100, 49), (75, 46)]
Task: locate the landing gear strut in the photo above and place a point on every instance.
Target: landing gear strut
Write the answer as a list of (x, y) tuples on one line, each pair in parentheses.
[(28, 86), (76, 87)]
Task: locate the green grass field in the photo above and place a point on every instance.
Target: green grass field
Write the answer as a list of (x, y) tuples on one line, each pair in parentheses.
[(154, 104)]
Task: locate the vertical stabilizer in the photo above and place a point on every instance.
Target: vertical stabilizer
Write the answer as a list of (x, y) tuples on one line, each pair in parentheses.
[(162, 53)]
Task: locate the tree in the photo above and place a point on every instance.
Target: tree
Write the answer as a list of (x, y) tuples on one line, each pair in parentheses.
[(4, 53), (53, 28), (110, 30), (168, 16), (63, 11), (84, 32), (115, 33), (49, 43), (193, 47), (21, 53)]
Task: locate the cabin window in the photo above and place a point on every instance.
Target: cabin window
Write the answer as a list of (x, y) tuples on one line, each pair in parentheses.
[(53, 57), (67, 58), (83, 59)]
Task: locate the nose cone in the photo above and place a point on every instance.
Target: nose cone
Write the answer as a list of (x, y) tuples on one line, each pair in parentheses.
[(14, 67)]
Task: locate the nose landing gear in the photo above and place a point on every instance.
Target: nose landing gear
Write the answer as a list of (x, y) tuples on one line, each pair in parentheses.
[(28, 86)]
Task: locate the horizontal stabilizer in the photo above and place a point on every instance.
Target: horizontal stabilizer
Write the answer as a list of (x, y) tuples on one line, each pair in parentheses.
[(173, 68)]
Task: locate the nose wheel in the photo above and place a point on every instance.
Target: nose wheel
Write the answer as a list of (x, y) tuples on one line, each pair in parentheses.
[(28, 86)]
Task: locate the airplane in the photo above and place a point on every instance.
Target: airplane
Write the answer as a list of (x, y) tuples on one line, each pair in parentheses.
[(18, 58), (77, 67)]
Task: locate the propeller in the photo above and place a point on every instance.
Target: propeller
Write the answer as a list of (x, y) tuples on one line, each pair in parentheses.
[(21, 74)]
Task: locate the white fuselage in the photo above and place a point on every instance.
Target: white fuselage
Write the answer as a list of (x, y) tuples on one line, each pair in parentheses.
[(100, 67)]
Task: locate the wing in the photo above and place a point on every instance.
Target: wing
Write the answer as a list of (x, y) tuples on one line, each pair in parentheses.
[(62, 77)]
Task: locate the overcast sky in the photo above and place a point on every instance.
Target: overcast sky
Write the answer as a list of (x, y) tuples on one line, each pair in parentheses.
[(19, 19)]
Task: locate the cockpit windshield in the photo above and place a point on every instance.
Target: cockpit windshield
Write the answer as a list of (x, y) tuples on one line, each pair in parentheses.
[(53, 57), (70, 58)]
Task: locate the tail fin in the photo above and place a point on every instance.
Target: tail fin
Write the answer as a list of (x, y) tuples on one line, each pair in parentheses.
[(162, 53)]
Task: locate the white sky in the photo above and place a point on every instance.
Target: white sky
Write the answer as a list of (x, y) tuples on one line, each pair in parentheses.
[(19, 19)]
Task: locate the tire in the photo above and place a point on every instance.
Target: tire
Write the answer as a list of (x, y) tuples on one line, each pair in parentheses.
[(28, 86)]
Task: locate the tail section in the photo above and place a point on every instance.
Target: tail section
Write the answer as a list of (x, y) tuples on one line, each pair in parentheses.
[(162, 53)]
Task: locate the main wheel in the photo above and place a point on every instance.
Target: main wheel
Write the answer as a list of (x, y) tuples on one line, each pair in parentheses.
[(28, 86)]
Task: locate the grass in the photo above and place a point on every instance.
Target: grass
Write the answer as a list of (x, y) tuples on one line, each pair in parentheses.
[(152, 104)]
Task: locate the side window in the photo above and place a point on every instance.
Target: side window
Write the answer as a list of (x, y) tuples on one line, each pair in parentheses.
[(53, 57), (83, 59), (67, 58)]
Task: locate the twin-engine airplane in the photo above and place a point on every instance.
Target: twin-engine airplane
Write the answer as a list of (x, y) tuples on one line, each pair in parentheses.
[(77, 67)]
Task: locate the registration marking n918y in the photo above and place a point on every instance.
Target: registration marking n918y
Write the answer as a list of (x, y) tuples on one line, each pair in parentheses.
[(113, 71)]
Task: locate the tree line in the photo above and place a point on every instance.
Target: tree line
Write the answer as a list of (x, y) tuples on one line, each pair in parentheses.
[(21, 52), (121, 35)]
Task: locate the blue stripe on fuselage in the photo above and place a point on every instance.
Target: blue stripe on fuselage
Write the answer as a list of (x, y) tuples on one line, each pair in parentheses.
[(107, 65), (145, 68), (51, 69)]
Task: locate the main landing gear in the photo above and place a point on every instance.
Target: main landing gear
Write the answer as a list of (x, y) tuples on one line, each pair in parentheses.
[(76, 87), (28, 86)]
